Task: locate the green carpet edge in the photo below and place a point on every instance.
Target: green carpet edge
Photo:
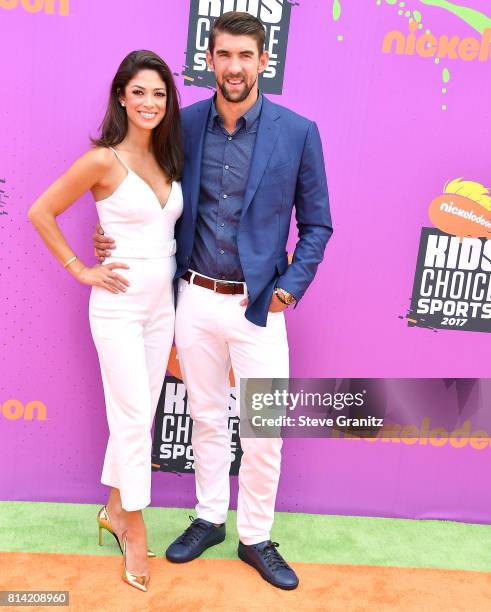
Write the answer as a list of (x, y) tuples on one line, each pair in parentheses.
[(310, 538)]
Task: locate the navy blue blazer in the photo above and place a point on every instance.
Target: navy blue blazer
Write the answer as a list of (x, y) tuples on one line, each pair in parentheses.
[(287, 170)]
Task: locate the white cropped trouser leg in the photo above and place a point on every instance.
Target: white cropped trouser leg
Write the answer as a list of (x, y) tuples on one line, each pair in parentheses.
[(212, 333), (133, 334)]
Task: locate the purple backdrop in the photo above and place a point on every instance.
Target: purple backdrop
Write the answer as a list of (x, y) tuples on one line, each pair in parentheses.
[(389, 149)]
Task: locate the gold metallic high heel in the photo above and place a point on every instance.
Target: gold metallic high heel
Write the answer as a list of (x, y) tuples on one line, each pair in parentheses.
[(139, 582), (104, 522)]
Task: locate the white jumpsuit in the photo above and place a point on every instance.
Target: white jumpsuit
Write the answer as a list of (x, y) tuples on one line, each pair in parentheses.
[(133, 331)]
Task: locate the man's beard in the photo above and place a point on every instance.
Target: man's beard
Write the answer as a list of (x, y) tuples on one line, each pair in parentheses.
[(242, 96)]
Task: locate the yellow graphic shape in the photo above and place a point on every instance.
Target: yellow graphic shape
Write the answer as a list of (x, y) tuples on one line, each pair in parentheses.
[(470, 189)]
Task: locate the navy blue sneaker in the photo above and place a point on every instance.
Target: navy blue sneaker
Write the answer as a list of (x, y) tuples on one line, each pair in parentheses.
[(199, 536), (269, 563)]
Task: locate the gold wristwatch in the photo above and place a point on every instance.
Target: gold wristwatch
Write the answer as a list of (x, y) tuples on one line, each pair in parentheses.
[(284, 296)]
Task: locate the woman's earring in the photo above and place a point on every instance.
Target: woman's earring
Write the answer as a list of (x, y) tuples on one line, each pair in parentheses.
[(123, 104)]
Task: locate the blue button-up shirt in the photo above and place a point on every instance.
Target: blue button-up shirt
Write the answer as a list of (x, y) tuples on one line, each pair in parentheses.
[(224, 172)]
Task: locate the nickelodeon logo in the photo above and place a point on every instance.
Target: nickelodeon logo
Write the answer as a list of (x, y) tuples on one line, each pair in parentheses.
[(443, 47), (463, 210), (14, 410), (51, 7), (424, 435)]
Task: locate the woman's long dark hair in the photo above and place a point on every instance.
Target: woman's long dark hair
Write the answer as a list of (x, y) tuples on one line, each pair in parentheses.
[(167, 136)]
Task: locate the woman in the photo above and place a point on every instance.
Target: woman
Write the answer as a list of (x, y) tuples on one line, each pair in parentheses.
[(133, 173)]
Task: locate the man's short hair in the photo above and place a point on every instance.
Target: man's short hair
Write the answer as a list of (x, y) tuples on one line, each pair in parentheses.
[(239, 24)]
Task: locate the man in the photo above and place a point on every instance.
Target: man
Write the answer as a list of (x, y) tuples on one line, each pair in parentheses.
[(247, 163)]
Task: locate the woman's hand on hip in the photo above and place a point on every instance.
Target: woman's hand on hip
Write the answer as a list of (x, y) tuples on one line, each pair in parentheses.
[(105, 277)]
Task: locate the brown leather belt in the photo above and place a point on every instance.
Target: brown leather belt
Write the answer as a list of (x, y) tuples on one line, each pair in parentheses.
[(218, 286)]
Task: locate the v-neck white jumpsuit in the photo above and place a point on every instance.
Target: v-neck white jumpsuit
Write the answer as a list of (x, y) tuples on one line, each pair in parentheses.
[(133, 331)]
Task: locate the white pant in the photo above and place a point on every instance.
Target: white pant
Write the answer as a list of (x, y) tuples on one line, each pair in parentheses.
[(212, 333), (133, 334)]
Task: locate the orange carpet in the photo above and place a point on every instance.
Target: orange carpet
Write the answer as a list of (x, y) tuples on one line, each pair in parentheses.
[(215, 584)]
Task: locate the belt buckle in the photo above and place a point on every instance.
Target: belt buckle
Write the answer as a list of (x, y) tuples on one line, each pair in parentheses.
[(224, 282)]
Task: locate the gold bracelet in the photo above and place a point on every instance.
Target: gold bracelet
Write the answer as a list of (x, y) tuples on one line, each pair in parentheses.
[(280, 297), (71, 260), (285, 296)]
